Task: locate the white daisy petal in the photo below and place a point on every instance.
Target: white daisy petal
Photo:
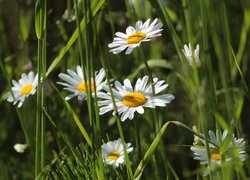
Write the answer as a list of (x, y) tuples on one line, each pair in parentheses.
[(118, 49), (130, 30), (129, 50), (140, 110), (120, 34), (145, 25), (138, 25), (128, 85), (16, 84)]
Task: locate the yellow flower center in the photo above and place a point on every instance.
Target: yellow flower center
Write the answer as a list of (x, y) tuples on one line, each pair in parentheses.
[(114, 155), (136, 37), (216, 155), (82, 87), (26, 89), (134, 99)]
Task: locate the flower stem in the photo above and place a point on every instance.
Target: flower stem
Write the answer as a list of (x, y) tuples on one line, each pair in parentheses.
[(40, 24), (150, 75), (138, 140), (118, 120)]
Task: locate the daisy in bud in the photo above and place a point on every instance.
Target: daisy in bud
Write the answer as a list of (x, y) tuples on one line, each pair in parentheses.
[(20, 148), (134, 36), (190, 54), (131, 99), (236, 150), (75, 83), (23, 88), (113, 152)]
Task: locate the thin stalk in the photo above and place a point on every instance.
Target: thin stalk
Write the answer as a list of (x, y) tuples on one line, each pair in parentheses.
[(148, 69), (118, 120), (138, 139), (39, 112), (43, 68), (43, 122), (97, 117), (224, 74), (84, 64), (204, 15), (38, 117), (155, 123), (88, 51), (79, 32), (40, 25)]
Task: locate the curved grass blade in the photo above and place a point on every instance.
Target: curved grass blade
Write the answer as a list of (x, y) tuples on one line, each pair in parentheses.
[(150, 152), (151, 149)]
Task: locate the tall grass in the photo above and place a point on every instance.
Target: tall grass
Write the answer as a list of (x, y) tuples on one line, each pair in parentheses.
[(67, 140)]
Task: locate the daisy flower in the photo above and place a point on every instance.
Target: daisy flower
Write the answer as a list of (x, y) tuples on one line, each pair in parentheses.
[(134, 36), (113, 152), (129, 100), (189, 54), (23, 88), (236, 149), (76, 84)]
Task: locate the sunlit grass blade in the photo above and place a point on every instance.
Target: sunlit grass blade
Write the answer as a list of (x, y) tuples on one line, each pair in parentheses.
[(75, 117), (73, 38)]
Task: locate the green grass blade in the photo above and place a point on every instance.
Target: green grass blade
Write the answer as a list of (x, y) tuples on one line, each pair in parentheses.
[(167, 22), (238, 68), (150, 151), (73, 38), (76, 119), (152, 63), (244, 31)]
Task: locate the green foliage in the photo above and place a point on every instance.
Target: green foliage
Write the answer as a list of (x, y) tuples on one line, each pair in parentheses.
[(65, 137)]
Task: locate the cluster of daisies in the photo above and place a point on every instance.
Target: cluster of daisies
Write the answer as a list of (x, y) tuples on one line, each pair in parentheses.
[(128, 98)]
